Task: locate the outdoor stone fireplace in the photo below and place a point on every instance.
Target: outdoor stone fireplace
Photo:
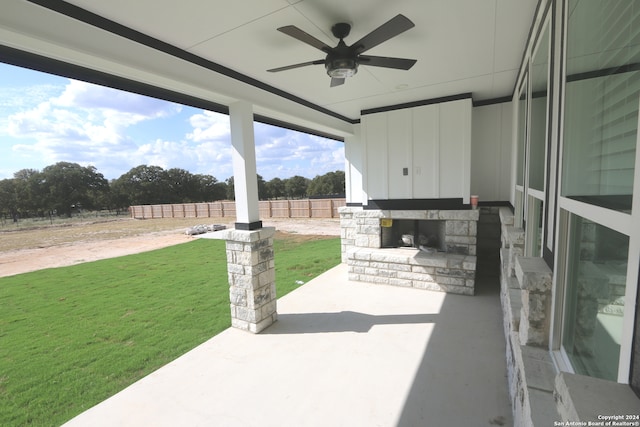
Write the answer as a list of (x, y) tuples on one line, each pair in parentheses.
[(425, 249)]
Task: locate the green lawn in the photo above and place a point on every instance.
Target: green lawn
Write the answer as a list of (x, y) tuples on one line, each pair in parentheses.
[(72, 336)]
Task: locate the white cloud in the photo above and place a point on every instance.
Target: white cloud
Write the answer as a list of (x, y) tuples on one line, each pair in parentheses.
[(86, 124), (12, 98), (115, 106), (209, 126), (115, 131), (298, 153)]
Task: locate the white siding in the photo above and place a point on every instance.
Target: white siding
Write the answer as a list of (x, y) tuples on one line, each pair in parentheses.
[(353, 167), (426, 156), (374, 129), (432, 142), (399, 149), (491, 152), (455, 144)]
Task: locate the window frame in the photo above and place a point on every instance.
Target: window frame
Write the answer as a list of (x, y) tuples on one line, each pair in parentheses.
[(622, 222)]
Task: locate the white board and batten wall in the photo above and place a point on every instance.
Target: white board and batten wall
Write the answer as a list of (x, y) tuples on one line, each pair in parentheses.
[(436, 151), (491, 152), (418, 153)]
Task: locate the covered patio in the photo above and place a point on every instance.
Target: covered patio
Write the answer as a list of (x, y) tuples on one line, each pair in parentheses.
[(342, 353)]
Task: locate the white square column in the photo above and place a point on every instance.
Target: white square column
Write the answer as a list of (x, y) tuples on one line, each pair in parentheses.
[(244, 166)]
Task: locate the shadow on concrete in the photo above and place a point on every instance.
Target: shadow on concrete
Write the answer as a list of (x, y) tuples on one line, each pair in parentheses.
[(343, 321), (462, 378)]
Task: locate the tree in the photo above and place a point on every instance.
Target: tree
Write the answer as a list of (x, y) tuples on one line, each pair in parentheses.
[(182, 187), (29, 191), (296, 187), (143, 185), (329, 184), (275, 188), (209, 189), (262, 188), (9, 198), (68, 186), (231, 189)]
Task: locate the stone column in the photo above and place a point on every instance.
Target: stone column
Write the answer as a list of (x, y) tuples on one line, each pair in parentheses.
[(251, 271)]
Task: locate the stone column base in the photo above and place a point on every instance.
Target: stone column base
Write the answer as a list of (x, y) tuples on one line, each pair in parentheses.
[(251, 271)]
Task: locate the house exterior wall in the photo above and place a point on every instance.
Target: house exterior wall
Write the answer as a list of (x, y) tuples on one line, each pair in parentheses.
[(422, 152), (491, 152), (446, 154), (587, 196)]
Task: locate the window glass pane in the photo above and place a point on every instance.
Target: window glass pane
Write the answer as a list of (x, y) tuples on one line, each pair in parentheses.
[(519, 208), (534, 227), (538, 135), (601, 102), (522, 131), (594, 306)]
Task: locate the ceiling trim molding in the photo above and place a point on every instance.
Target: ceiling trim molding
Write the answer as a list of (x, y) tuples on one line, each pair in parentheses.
[(95, 20), (32, 61), (494, 101), (417, 103)]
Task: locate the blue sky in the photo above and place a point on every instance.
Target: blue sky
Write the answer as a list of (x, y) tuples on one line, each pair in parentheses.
[(46, 119)]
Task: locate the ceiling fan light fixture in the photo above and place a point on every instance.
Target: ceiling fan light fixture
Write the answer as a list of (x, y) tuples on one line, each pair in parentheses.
[(341, 67)]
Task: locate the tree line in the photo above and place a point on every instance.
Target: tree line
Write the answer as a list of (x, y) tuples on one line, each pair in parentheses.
[(64, 188)]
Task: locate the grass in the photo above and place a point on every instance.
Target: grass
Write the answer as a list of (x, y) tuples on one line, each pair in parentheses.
[(71, 337)]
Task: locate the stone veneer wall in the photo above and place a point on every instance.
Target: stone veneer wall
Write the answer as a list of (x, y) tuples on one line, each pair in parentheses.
[(541, 396), (525, 297), (413, 268), (251, 273), (453, 271)]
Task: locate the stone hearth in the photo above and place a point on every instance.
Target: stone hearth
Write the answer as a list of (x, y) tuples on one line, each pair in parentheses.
[(449, 267)]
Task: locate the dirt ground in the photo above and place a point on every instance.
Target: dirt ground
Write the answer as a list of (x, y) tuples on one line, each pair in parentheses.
[(22, 251)]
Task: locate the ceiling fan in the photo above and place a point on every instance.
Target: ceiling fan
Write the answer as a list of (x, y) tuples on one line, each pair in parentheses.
[(342, 61)]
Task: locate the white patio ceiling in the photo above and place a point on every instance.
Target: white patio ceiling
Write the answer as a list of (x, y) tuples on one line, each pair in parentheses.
[(462, 46)]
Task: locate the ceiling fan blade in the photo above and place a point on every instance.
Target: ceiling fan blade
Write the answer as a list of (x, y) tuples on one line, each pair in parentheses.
[(383, 61), (397, 25), (335, 81), (298, 34), (291, 67)]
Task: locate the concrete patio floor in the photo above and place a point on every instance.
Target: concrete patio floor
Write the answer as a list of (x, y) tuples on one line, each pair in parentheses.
[(341, 354)]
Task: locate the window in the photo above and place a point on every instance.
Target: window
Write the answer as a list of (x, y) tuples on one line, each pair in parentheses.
[(598, 250), (536, 146), (601, 102), (522, 133), (594, 305), (534, 228), (520, 152), (539, 96)]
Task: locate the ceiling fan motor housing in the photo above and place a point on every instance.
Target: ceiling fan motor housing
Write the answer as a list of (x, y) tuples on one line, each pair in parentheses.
[(341, 30)]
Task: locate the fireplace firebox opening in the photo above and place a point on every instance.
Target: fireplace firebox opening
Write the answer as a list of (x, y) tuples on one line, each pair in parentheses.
[(427, 235)]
